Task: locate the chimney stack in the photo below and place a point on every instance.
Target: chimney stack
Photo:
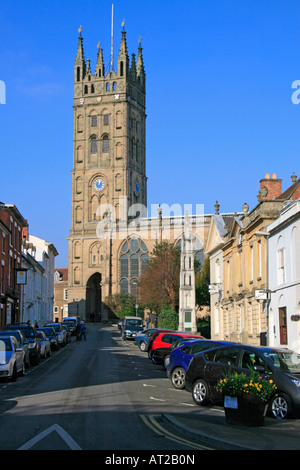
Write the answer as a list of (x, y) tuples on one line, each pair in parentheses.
[(270, 188)]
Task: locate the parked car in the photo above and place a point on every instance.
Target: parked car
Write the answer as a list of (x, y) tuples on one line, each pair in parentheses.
[(131, 326), (162, 355), (182, 355), (45, 344), (21, 338), (280, 365), (142, 338), (11, 358), (164, 339), (32, 338), (68, 332), (61, 334), (154, 336), (51, 335), (71, 324)]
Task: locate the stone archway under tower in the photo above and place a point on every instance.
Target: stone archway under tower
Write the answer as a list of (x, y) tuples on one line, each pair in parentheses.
[(94, 298)]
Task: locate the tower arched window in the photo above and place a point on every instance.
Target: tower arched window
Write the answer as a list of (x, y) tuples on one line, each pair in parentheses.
[(105, 143), (78, 74), (134, 257), (93, 144)]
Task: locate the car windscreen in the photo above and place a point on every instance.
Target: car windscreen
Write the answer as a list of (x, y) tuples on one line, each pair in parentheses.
[(56, 327), (48, 331), (286, 361), (134, 323)]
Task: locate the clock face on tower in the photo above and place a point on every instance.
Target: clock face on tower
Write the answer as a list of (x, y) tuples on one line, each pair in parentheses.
[(137, 188), (99, 184)]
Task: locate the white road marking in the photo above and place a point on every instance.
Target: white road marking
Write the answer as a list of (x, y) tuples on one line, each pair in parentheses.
[(63, 434)]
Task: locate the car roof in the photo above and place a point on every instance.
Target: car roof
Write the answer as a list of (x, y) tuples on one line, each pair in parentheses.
[(132, 318)]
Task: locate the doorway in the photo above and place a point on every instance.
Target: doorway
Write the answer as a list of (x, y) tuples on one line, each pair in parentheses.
[(282, 325), (93, 297)]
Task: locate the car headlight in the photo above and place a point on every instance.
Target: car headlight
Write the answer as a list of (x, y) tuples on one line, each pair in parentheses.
[(296, 382)]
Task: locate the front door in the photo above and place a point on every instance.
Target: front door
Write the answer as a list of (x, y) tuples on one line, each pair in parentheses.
[(282, 325)]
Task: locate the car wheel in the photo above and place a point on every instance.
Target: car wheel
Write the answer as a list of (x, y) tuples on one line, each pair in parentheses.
[(166, 361), (178, 378), (153, 360), (143, 346), (281, 406), (200, 392)]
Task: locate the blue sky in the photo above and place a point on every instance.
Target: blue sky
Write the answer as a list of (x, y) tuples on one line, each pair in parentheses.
[(219, 109)]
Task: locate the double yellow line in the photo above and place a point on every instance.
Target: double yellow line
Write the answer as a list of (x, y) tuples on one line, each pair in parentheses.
[(152, 423)]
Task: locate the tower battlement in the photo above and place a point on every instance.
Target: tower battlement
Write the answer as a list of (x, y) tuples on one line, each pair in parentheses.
[(128, 81)]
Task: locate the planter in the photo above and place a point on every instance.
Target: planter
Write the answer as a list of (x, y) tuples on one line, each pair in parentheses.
[(245, 409)]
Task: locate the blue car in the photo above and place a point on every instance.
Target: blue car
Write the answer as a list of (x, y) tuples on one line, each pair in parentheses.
[(181, 357), (142, 338)]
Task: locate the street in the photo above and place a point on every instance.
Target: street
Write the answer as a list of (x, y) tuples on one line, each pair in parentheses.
[(100, 394)]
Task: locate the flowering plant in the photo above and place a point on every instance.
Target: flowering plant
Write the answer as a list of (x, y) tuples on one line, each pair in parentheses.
[(235, 383)]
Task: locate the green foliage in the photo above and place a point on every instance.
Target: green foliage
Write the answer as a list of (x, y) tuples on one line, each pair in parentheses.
[(168, 318), (203, 326), (202, 281), (121, 304), (235, 383)]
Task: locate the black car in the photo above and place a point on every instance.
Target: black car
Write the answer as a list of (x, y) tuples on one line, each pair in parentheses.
[(280, 365), (32, 338), (52, 336), (131, 326)]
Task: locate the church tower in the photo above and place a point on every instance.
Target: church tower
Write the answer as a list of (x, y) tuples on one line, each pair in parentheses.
[(109, 173)]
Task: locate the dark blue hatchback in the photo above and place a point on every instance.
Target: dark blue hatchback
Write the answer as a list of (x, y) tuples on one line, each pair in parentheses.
[(181, 357)]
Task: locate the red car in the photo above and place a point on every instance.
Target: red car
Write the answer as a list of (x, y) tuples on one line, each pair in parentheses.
[(163, 338)]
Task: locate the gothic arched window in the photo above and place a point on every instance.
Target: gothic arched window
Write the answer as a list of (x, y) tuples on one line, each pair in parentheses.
[(134, 257)]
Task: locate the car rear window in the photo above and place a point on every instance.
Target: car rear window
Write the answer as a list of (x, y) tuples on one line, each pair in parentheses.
[(167, 338)]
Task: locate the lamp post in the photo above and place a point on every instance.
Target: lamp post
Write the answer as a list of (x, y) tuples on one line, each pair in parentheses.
[(136, 297)]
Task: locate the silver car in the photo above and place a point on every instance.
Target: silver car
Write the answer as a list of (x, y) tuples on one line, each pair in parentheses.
[(11, 358), (45, 344), (61, 333)]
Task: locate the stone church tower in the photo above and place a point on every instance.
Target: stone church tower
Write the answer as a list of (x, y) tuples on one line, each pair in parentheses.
[(187, 305), (108, 173)]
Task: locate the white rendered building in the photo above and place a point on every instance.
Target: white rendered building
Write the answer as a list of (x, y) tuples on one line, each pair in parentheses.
[(284, 278)]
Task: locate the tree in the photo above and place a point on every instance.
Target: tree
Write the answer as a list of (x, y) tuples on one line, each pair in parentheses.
[(168, 318), (121, 304), (159, 285), (202, 281)]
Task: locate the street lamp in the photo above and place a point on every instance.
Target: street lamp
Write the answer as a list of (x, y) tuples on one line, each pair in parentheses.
[(135, 283)]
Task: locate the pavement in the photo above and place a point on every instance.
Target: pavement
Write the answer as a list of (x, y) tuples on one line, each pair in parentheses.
[(211, 428)]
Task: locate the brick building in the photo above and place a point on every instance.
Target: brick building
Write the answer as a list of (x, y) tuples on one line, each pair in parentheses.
[(12, 224)]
